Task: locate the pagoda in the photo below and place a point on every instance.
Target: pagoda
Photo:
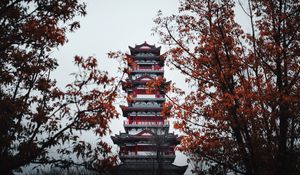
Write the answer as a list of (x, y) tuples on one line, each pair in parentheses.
[(146, 147)]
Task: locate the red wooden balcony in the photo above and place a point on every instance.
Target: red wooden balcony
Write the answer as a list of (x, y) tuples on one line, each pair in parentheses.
[(164, 123)]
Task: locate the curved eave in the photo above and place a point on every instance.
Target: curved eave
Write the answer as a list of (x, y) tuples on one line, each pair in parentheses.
[(156, 57), (116, 139), (145, 126), (160, 62), (166, 157), (136, 50), (126, 109), (120, 139), (140, 47), (147, 71), (149, 99), (129, 56), (144, 44)]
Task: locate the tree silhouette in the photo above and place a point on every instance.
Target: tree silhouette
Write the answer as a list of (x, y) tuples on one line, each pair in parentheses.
[(35, 115), (242, 115)]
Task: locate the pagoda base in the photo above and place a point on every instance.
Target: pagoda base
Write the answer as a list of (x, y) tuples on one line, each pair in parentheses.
[(148, 168)]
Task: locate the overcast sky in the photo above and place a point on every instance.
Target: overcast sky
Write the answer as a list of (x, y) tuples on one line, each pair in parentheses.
[(112, 25)]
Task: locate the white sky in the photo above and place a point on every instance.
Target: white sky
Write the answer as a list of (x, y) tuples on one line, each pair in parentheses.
[(112, 25)]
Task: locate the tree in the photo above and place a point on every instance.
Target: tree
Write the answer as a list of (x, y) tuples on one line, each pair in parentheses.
[(242, 115), (35, 115)]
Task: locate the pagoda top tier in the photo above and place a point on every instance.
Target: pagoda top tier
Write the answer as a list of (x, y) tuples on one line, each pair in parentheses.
[(145, 47)]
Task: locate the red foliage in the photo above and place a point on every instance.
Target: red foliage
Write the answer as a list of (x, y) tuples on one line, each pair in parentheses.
[(242, 115), (35, 115)]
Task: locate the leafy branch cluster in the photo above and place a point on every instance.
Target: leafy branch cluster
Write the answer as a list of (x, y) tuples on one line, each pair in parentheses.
[(36, 117), (243, 114)]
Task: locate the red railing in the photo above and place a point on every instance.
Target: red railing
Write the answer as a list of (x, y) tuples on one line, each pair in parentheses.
[(152, 123), (152, 68)]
